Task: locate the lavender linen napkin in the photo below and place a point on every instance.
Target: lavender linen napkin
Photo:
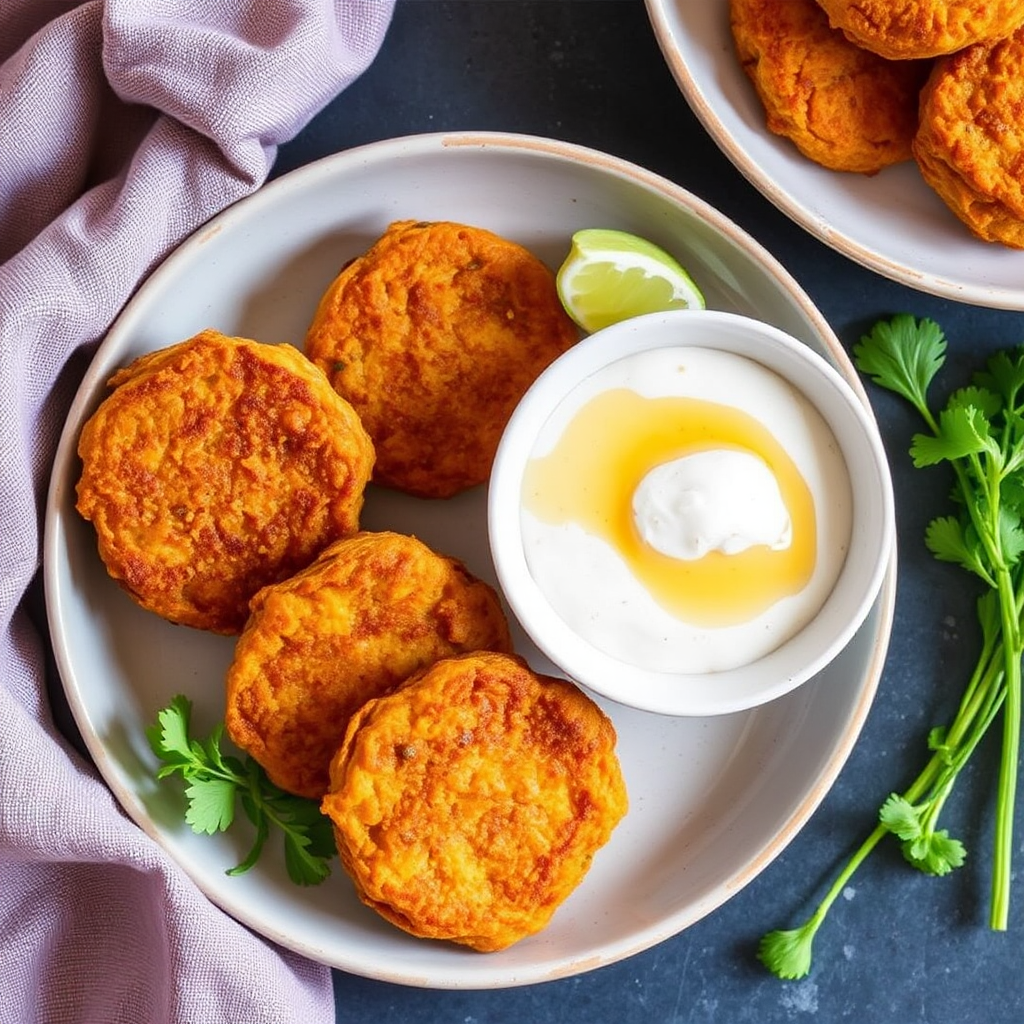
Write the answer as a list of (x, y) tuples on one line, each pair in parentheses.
[(124, 125)]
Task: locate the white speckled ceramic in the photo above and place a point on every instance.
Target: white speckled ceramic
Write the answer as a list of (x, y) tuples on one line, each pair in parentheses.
[(712, 800), (799, 657), (891, 222)]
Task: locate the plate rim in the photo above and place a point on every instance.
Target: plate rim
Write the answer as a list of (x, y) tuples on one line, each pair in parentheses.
[(883, 609)]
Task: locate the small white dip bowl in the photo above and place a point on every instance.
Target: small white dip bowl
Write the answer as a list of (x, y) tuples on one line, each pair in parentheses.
[(846, 605)]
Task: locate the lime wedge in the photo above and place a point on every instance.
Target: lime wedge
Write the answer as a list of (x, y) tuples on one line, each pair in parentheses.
[(611, 275)]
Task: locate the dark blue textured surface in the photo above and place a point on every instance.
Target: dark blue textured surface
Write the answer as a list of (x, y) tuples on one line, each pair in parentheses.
[(900, 948)]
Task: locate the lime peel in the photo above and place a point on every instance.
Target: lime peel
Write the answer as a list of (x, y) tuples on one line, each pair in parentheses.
[(612, 275)]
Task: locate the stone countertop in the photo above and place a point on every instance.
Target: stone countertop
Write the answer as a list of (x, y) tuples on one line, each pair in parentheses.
[(899, 947)]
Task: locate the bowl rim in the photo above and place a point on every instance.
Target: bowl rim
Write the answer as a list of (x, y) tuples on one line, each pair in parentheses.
[(849, 600)]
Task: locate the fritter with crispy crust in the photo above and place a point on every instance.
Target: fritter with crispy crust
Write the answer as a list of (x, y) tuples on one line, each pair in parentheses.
[(908, 29), (970, 145), (843, 107), (433, 335), (468, 804), (370, 611), (217, 466)]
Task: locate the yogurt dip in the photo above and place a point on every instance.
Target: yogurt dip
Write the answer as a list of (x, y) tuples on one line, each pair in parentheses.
[(686, 510)]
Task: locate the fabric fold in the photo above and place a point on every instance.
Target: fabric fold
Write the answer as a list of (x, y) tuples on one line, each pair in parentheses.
[(124, 126)]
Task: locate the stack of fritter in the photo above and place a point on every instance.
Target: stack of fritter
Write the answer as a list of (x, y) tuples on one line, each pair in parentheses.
[(225, 479), (860, 84), (370, 611)]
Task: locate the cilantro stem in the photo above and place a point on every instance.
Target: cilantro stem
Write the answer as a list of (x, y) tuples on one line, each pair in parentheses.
[(1007, 786), (788, 953)]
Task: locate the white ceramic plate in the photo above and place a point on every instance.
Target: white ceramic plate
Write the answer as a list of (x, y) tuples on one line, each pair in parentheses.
[(891, 222), (713, 800)]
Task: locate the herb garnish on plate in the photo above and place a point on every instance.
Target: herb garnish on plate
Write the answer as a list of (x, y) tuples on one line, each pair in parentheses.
[(215, 781)]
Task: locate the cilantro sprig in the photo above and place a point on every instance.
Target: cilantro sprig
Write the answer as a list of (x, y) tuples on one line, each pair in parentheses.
[(215, 783), (980, 434)]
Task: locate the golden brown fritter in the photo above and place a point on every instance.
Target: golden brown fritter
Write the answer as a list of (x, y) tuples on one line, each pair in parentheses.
[(468, 804), (214, 467), (907, 29), (434, 335), (970, 145), (370, 611), (843, 107)]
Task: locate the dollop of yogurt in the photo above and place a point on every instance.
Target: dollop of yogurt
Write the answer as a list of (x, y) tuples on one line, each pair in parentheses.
[(716, 500)]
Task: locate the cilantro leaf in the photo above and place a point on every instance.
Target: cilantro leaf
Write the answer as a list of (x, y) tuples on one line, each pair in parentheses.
[(976, 397), (304, 866), (963, 431), (211, 804), (900, 817), (903, 355), (308, 817), (1011, 536), (934, 853), (1011, 493), (949, 541), (1004, 374), (787, 954), (168, 737)]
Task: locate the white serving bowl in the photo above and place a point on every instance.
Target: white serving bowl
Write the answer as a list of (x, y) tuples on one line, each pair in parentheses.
[(890, 222), (797, 658)]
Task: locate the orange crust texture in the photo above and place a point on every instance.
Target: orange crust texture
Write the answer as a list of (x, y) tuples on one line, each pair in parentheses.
[(908, 29), (970, 144), (468, 804), (217, 466), (843, 107), (369, 612), (434, 335)]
